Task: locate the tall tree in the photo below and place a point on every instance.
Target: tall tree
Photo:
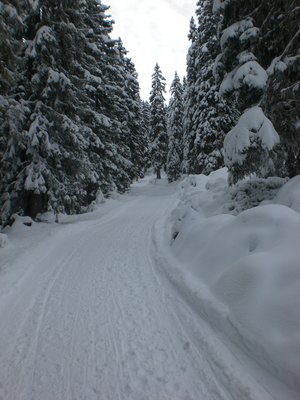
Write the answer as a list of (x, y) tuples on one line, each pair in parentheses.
[(281, 97), (260, 69), (12, 109), (138, 142), (189, 99), (158, 134), (214, 117), (208, 116), (175, 130), (69, 137), (146, 131)]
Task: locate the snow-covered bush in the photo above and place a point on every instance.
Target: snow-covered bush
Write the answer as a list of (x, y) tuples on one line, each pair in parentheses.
[(251, 192)]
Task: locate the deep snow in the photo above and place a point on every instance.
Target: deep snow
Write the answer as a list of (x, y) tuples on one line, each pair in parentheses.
[(136, 301), (248, 262)]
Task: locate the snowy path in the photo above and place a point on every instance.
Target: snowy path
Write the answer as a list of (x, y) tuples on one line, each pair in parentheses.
[(92, 318)]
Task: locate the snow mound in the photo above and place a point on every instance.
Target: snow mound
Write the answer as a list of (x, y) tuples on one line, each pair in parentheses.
[(289, 195), (249, 262), (20, 223)]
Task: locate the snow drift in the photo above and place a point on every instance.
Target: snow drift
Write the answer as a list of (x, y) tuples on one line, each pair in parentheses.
[(249, 263)]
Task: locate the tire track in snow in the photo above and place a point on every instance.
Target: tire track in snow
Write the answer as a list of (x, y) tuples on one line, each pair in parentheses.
[(26, 346), (100, 323)]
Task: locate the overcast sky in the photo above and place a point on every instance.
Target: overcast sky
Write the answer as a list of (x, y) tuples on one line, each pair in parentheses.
[(153, 31)]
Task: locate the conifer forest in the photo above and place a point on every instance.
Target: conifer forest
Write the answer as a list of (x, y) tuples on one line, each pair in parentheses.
[(149, 249), (73, 123)]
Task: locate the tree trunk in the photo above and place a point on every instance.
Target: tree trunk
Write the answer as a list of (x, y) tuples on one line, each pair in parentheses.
[(158, 176)]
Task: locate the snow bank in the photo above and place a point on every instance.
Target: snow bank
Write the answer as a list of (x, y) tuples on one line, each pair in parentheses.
[(20, 224), (289, 195), (248, 262)]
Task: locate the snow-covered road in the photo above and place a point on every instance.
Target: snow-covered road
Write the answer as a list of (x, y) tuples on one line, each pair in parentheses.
[(89, 315)]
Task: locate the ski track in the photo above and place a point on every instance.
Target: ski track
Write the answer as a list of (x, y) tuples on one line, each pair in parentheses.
[(93, 320)]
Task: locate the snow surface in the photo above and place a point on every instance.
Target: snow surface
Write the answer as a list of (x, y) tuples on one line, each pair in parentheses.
[(250, 264), (289, 195), (3, 240), (107, 305)]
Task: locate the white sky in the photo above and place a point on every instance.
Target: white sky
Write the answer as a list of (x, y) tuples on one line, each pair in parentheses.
[(153, 31)]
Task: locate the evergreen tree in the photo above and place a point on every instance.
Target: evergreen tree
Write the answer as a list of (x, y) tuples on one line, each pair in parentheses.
[(117, 108), (209, 116), (175, 130), (146, 130), (253, 65), (189, 100), (213, 117), (69, 135), (138, 136), (11, 29), (12, 110), (281, 97), (158, 134)]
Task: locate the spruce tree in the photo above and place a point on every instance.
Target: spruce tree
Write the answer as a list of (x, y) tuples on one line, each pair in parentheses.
[(117, 109), (138, 136), (259, 69), (68, 137), (158, 134), (59, 133), (213, 116), (11, 44), (189, 100), (281, 97), (208, 116), (175, 130), (146, 130), (12, 108)]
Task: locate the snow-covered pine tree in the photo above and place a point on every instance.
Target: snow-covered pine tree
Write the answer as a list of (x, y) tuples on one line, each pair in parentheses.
[(138, 136), (158, 134), (11, 44), (65, 143), (146, 125), (175, 130), (117, 108), (52, 151), (279, 49), (189, 100), (212, 117), (12, 107), (248, 146)]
